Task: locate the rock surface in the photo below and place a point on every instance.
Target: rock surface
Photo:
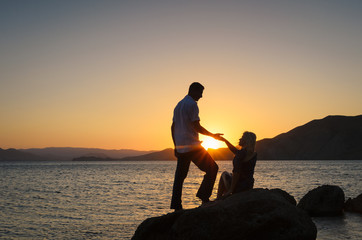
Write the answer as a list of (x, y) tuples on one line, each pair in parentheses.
[(326, 200), (354, 205), (255, 214), (285, 195)]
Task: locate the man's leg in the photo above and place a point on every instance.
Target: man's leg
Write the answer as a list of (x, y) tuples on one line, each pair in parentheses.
[(183, 164), (205, 163)]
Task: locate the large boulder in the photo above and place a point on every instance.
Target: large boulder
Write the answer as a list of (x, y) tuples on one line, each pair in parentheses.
[(354, 205), (285, 195), (326, 200), (255, 214)]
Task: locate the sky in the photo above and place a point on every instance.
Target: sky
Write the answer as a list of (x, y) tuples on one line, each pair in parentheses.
[(108, 74)]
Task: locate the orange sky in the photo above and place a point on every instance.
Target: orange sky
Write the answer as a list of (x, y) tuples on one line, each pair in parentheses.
[(108, 74)]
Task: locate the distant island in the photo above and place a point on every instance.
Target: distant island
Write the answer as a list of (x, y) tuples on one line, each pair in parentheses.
[(330, 138), (94, 158)]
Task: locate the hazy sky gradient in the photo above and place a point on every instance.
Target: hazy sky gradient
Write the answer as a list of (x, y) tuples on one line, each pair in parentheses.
[(108, 74)]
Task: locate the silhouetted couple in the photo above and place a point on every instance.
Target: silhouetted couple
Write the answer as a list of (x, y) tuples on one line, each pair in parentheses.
[(185, 134)]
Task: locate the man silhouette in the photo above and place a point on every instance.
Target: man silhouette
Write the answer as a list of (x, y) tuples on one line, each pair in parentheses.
[(185, 131)]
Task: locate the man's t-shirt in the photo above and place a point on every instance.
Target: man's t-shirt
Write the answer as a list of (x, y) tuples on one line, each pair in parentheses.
[(185, 113)]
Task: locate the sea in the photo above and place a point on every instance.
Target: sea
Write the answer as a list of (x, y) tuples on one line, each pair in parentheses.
[(108, 200)]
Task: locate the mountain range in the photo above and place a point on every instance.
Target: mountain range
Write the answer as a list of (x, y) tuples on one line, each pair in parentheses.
[(68, 153), (65, 153), (330, 138)]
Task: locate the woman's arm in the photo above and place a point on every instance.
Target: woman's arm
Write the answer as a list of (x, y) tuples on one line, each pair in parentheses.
[(230, 146)]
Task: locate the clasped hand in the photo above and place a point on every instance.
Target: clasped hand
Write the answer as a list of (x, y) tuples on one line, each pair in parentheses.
[(218, 136)]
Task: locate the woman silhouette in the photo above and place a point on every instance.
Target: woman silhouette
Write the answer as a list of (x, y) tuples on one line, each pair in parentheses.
[(242, 176)]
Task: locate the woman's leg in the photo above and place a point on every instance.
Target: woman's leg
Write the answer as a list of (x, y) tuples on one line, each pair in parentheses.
[(224, 184), (227, 177)]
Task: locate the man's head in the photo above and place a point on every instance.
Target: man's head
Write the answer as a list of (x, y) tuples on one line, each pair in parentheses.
[(196, 90)]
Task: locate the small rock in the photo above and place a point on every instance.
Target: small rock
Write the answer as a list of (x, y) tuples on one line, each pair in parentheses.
[(325, 200), (354, 205)]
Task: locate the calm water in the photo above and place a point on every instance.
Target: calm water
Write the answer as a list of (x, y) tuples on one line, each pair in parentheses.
[(96, 200)]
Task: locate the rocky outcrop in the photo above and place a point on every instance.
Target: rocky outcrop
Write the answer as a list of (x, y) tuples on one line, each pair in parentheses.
[(325, 200), (255, 214), (354, 205)]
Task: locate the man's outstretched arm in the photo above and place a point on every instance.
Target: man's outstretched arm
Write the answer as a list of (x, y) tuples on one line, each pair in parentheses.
[(202, 130)]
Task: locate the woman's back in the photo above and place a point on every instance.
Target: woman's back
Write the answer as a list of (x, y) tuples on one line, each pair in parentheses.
[(245, 167)]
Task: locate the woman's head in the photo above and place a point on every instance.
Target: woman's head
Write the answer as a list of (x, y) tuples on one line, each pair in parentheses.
[(248, 140)]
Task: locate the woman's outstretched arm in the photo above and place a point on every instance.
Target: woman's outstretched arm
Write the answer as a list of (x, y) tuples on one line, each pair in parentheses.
[(230, 146)]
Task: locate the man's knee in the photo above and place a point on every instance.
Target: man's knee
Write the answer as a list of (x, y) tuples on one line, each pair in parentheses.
[(214, 168), (182, 176)]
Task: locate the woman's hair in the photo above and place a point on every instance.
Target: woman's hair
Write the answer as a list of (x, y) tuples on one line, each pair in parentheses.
[(250, 139)]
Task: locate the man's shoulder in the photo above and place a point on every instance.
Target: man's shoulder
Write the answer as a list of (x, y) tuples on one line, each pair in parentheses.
[(187, 101)]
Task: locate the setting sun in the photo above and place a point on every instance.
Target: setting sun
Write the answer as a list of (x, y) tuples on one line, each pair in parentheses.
[(209, 142)]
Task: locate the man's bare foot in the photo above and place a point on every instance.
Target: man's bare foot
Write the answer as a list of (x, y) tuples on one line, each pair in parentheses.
[(178, 209), (208, 204)]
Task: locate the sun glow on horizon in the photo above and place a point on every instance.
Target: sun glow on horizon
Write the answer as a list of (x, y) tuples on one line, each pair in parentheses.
[(209, 142)]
